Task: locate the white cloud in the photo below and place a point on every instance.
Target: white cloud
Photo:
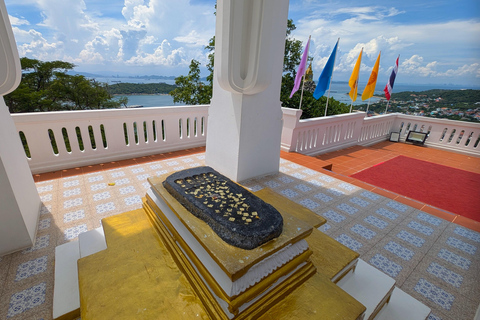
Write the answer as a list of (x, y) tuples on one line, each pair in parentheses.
[(14, 21)]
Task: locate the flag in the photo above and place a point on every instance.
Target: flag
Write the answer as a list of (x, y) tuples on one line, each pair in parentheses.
[(372, 81), (324, 79), (389, 87), (301, 69), (353, 82)]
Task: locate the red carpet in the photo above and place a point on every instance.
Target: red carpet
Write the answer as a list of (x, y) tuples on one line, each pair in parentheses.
[(447, 188)]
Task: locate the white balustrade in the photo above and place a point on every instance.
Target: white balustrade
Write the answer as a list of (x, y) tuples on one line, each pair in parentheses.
[(116, 134), (457, 136), (325, 134), (98, 136)]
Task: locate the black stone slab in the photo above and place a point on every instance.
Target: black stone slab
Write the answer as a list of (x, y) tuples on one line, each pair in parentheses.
[(235, 214)]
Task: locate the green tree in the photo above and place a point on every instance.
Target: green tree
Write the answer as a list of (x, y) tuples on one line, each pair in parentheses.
[(293, 51), (190, 89), (46, 86)]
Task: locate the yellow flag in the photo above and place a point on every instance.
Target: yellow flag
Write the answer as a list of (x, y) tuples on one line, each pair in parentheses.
[(353, 82), (372, 81)]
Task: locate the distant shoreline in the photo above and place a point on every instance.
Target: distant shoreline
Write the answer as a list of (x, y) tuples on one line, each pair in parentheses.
[(141, 94)]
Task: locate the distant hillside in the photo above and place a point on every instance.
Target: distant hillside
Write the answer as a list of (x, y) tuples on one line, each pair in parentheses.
[(462, 99), (140, 88)]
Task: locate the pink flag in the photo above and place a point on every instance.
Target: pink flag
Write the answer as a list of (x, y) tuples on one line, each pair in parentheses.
[(301, 69)]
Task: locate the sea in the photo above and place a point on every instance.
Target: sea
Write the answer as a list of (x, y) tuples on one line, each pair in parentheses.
[(338, 90)]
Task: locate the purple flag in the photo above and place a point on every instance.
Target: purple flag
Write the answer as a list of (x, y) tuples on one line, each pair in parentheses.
[(301, 69)]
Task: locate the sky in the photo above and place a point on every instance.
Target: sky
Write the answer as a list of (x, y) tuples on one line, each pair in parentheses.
[(438, 41)]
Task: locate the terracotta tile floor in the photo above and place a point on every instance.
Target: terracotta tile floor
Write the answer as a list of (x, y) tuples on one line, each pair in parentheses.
[(435, 260), (346, 162)]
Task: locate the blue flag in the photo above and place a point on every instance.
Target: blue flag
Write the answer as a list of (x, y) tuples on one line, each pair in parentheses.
[(324, 79)]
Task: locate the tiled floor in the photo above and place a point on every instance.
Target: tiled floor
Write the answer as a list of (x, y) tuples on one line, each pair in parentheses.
[(432, 259)]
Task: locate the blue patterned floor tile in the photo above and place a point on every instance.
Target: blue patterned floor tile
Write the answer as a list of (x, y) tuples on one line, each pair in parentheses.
[(387, 213), (316, 183), (382, 263), (469, 234), (323, 197), (411, 238), (31, 268), (40, 243), (420, 228), (289, 193), (430, 219), (454, 259), (397, 206), (360, 202), (349, 242), (325, 227), (332, 215), (44, 224), (105, 207), (327, 178), (74, 215), (399, 250), (336, 192), (347, 186), (348, 209), (285, 179), (303, 187), (459, 244), (310, 172), (432, 316), (298, 175), (71, 192), (99, 186), (310, 204), (370, 195), (133, 200), (27, 299), (374, 221), (445, 274), (435, 294), (363, 231), (73, 232)]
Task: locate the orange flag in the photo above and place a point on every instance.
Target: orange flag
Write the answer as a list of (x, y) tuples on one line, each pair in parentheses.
[(372, 81), (353, 82)]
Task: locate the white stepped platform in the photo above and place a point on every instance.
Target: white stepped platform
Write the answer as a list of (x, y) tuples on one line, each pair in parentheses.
[(403, 306), (369, 286), (66, 295), (92, 242)]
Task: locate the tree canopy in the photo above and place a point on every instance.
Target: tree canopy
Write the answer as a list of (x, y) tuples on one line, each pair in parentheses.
[(191, 90), (46, 86)]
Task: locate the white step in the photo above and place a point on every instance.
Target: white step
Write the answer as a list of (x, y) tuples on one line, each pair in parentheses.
[(403, 306), (369, 286), (92, 242), (66, 297)]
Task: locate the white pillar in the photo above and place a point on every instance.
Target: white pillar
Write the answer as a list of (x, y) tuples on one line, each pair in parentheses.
[(245, 116), (19, 200)]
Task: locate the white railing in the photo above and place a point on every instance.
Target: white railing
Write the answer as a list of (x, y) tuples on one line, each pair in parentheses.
[(62, 140), (325, 134), (69, 139), (457, 136)]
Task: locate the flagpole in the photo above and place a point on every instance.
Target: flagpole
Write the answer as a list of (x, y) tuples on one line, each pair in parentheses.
[(386, 109), (368, 105), (301, 95), (330, 82)]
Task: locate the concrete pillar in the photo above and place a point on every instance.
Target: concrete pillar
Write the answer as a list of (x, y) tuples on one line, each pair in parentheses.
[(19, 199), (245, 116)]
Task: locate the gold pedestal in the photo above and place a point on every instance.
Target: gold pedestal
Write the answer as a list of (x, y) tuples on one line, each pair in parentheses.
[(143, 275), (235, 262)]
